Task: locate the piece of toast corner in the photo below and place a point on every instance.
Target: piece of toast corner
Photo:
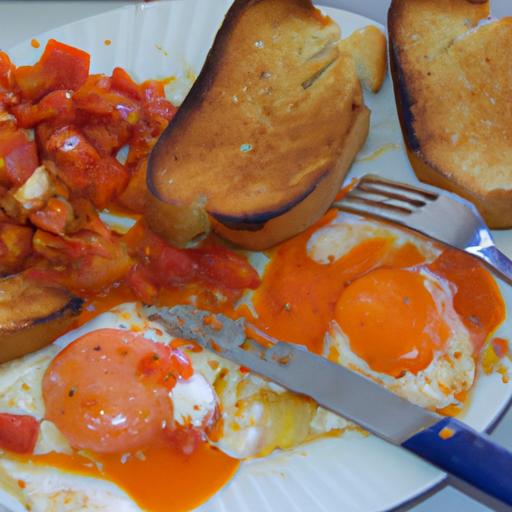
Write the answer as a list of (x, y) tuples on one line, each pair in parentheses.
[(32, 315), (451, 73), (265, 124), (368, 48)]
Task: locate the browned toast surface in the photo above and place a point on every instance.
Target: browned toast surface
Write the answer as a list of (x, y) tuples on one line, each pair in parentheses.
[(32, 315), (453, 81), (368, 49), (266, 120)]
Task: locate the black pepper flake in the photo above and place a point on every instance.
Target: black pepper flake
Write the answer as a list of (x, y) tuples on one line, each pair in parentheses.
[(97, 348), (156, 357), (72, 392)]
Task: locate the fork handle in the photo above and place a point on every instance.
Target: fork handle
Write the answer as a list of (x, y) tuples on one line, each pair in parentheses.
[(496, 259)]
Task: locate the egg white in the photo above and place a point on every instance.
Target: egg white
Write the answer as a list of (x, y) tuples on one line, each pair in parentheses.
[(347, 231)]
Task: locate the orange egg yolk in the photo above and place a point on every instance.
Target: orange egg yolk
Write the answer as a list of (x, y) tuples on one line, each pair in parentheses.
[(391, 321), (107, 392)]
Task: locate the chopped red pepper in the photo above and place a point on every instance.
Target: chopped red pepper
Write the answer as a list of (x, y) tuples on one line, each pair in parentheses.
[(54, 217), (18, 433), (6, 72), (18, 157), (123, 82), (56, 105), (60, 67), (165, 366), (83, 170)]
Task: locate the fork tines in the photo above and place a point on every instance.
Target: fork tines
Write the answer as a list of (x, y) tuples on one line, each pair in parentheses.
[(375, 195)]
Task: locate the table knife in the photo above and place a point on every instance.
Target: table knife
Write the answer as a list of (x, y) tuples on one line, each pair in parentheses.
[(476, 465)]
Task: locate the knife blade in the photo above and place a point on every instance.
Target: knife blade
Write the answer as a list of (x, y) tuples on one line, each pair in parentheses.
[(483, 468)]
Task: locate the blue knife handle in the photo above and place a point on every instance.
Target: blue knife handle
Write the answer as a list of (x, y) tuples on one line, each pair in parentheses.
[(467, 455)]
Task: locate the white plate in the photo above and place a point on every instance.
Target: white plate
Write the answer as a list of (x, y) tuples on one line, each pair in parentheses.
[(352, 473)]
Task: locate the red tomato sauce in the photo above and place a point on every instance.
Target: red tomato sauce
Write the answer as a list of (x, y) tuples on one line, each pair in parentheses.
[(81, 122)]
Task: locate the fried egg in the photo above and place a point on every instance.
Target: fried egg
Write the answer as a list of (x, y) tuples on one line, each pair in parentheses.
[(257, 416), (397, 326), (391, 305)]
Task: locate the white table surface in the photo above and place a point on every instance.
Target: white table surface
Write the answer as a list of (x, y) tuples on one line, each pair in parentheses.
[(20, 20)]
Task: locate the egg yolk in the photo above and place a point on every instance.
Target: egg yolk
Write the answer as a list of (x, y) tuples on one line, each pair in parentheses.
[(108, 391), (391, 321)]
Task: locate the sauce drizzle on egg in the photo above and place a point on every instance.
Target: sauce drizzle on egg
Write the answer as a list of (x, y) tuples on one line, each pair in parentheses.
[(298, 296)]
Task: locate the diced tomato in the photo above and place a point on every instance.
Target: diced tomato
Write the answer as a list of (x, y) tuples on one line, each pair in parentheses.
[(141, 281), (90, 97), (134, 195), (18, 432), (164, 366), (175, 266), (74, 156), (141, 142), (15, 247), (219, 265), (106, 135), (93, 273), (106, 115), (6, 72), (143, 243), (18, 157), (56, 105), (123, 82), (110, 178), (97, 97), (7, 120), (91, 262), (156, 114), (60, 67), (212, 264), (8, 92), (83, 170), (155, 101), (43, 132), (87, 218), (64, 249), (54, 217)]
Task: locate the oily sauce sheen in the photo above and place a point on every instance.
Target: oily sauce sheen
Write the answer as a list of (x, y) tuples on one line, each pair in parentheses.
[(299, 297)]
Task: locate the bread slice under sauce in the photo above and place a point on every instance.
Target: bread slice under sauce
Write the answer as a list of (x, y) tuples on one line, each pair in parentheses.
[(272, 123), (452, 74)]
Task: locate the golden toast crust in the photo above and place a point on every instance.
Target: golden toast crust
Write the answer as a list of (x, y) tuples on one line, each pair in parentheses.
[(267, 119), (453, 84), (32, 315)]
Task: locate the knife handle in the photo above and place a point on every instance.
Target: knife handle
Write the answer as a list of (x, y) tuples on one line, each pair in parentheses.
[(466, 455)]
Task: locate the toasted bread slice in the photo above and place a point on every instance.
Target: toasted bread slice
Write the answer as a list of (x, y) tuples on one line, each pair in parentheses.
[(368, 49), (266, 123), (453, 86), (32, 315)]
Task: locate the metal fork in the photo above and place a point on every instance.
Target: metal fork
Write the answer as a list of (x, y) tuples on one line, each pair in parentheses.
[(436, 213)]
